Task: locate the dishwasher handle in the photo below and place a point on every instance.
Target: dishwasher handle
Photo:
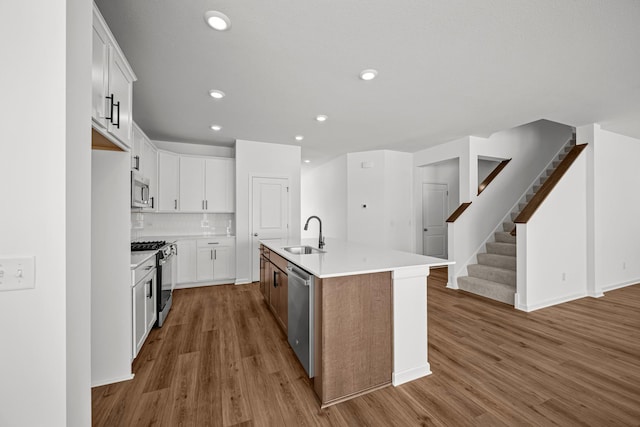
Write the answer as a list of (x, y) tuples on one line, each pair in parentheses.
[(292, 272)]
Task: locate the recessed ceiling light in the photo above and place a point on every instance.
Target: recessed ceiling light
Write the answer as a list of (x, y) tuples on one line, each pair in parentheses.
[(321, 118), (217, 20), (216, 94), (307, 161), (368, 74), (216, 127), (299, 137)]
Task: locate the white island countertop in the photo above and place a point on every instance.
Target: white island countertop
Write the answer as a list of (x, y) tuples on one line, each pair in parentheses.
[(342, 258)]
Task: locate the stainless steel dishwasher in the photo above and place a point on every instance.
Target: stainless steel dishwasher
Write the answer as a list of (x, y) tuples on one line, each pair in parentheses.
[(300, 315)]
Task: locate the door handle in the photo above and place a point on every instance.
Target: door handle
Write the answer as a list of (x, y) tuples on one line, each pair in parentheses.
[(255, 234), (117, 104), (426, 229), (110, 118)]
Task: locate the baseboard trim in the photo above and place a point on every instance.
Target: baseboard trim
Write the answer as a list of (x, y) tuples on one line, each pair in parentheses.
[(619, 285), (398, 378), (203, 284), (550, 302), (111, 381)]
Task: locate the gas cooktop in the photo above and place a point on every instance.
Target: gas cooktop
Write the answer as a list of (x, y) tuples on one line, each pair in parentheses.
[(147, 246)]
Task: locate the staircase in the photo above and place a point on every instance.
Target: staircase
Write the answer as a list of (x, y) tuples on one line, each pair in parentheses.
[(494, 276)]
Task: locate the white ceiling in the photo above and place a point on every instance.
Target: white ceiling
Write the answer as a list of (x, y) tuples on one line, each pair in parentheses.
[(447, 69)]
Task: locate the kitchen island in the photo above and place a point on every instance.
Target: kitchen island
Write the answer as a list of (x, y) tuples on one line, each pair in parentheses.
[(369, 309)]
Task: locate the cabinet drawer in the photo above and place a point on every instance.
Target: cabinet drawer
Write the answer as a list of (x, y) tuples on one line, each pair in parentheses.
[(279, 262), (215, 242), (144, 269)]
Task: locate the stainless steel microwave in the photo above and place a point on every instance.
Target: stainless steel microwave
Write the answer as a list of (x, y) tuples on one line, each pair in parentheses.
[(139, 190)]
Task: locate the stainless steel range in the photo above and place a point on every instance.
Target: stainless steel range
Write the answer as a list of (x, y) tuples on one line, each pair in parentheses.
[(166, 273)]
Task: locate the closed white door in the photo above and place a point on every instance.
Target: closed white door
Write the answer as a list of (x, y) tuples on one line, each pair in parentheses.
[(120, 87), (435, 199), (191, 184), (270, 215), (168, 170)]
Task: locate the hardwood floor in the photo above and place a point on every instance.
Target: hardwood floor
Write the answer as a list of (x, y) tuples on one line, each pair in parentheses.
[(221, 360)]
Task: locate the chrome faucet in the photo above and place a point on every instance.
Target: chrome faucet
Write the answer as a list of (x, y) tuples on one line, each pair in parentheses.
[(320, 238)]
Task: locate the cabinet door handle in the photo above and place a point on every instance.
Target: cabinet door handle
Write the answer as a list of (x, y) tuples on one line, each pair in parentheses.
[(110, 108), (213, 243), (150, 289), (117, 104), (152, 203), (211, 254), (175, 204), (136, 160), (215, 254), (206, 203), (203, 205), (275, 279)]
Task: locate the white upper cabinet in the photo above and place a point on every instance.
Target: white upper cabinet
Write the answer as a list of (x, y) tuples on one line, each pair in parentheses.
[(219, 187), (207, 184), (112, 86), (99, 73), (192, 184), (144, 158), (149, 159), (168, 179)]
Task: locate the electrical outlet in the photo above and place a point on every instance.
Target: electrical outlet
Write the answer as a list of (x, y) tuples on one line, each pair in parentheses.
[(17, 273)]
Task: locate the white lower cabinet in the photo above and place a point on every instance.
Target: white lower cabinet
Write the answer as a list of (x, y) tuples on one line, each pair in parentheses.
[(224, 266), (209, 260), (144, 310)]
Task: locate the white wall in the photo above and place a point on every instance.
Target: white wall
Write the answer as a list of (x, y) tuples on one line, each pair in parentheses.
[(615, 214), (111, 301), (381, 181), (398, 201), (44, 361), (365, 197), (265, 160), (485, 167), (324, 193), (552, 246), (78, 189)]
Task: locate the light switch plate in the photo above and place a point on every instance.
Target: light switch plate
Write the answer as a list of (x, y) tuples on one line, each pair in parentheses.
[(17, 273)]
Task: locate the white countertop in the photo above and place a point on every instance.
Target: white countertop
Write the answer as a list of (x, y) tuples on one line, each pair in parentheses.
[(140, 257), (343, 258)]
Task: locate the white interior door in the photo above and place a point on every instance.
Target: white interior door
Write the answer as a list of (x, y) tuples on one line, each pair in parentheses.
[(270, 215), (435, 199)]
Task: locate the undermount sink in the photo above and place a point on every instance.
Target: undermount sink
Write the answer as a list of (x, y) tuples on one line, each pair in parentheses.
[(303, 250)]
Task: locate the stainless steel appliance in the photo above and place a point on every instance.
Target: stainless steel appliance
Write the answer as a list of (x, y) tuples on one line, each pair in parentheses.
[(166, 274), (139, 190), (300, 316), (166, 280)]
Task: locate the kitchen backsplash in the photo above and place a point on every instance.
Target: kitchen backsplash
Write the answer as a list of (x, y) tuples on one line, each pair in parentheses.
[(168, 224)]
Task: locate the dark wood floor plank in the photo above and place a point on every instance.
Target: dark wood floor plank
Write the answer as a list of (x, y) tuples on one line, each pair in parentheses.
[(181, 410), (208, 385), (221, 360)]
